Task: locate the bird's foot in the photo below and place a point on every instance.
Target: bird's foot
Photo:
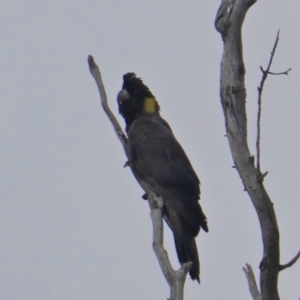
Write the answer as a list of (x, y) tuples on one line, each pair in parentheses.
[(145, 196), (128, 163)]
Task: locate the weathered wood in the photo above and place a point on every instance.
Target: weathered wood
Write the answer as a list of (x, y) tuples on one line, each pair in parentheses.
[(229, 21), (252, 282)]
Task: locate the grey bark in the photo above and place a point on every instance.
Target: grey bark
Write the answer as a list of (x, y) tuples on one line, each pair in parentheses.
[(175, 279), (229, 21)]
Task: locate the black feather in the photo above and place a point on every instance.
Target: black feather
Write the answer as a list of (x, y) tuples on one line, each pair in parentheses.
[(135, 86), (158, 158)]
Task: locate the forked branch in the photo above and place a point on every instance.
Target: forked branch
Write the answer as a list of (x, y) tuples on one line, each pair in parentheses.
[(229, 21), (175, 279), (260, 91), (280, 73), (252, 282)]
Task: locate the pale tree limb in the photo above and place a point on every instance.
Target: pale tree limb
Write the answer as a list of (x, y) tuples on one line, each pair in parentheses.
[(94, 69), (229, 21), (175, 279), (290, 263), (252, 282)]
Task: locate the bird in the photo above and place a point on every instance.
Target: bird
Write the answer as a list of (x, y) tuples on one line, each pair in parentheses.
[(157, 158)]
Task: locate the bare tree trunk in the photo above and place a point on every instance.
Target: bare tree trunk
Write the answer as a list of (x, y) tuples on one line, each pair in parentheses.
[(229, 21)]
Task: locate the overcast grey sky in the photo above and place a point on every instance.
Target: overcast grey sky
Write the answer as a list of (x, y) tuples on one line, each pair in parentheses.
[(72, 222)]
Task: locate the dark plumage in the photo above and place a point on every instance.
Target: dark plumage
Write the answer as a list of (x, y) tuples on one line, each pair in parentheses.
[(158, 158)]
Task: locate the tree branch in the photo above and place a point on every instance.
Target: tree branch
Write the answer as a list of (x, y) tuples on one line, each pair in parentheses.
[(229, 21), (290, 263), (252, 282), (280, 73), (175, 279), (94, 69), (260, 91)]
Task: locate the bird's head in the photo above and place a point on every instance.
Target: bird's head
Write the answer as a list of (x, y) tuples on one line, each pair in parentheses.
[(135, 99)]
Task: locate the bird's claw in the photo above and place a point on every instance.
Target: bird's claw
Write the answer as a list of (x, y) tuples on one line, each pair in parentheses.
[(128, 164)]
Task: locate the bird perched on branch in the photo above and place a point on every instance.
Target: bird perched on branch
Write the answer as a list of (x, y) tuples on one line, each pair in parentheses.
[(157, 158)]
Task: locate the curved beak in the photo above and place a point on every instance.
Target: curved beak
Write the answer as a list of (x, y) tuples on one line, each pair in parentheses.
[(122, 95)]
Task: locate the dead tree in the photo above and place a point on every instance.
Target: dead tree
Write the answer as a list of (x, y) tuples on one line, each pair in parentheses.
[(229, 21)]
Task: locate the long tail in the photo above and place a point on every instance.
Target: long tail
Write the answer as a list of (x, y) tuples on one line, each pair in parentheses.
[(184, 237), (187, 252)]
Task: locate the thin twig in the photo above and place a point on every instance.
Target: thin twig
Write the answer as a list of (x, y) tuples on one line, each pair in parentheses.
[(260, 90), (281, 73), (252, 282), (290, 263)]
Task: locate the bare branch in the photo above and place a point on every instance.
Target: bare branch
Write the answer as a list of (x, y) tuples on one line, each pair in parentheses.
[(280, 73), (290, 263), (260, 91), (252, 282), (229, 21), (156, 206), (175, 279), (94, 69)]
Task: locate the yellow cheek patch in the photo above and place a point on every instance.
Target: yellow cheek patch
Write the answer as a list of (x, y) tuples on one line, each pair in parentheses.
[(150, 105)]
